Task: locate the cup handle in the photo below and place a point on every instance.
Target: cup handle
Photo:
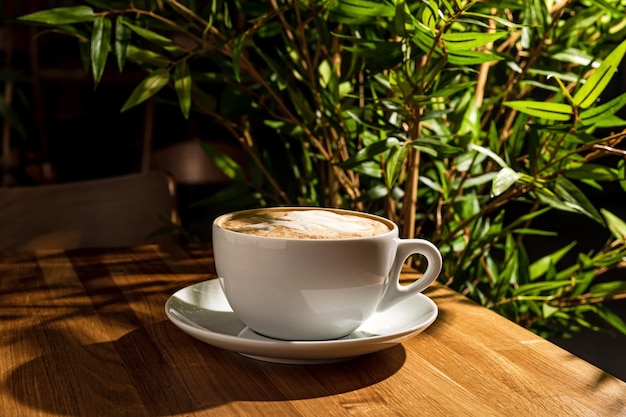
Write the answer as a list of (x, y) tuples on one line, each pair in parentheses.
[(394, 292)]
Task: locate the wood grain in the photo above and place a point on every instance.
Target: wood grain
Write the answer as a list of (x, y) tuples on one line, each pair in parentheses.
[(84, 333)]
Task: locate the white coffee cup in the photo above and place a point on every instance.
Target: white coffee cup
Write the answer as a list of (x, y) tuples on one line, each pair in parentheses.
[(313, 287)]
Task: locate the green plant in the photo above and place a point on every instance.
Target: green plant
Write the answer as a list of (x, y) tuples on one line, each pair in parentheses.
[(444, 116)]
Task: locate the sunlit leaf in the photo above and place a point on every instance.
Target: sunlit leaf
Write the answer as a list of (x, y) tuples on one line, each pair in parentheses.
[(147, 88), (60, 15), (464, 41), (360, 11), (471, 57), (609, 108), (599, 79), (538, 287), (370, 151), (505, 179), (616, 225), (544, 110), (394, 164), (224, 162), (541, 266), (607, 289), (489, 153)]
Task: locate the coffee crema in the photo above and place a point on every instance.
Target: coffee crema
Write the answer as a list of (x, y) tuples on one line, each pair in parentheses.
[(304, 224)]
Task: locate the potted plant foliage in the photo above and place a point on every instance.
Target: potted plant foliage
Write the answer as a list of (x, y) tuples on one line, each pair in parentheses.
[(465, 122)]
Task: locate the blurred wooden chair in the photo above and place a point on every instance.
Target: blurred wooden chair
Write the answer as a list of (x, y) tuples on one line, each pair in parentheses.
[(117, 211)]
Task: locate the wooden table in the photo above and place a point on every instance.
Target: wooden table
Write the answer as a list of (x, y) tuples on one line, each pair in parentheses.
[(84, 333)]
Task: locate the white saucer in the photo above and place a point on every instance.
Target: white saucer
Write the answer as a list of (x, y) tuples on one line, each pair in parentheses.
[(202, 311)]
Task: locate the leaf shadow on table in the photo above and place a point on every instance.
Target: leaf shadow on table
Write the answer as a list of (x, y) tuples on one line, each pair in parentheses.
[(99, 379)]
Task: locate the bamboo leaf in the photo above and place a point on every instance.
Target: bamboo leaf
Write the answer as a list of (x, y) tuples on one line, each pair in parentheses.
[(538, 287), (182, 85), (147, 88), (236, 55), (593, 171), (489, 153), (224, 162), (360, 11), (370, 151), (596, 114), (122, 39), (505, 179), (608, 289), (613, 319), (599, 79), (471, 57), (429, 15), (148, 34), (146, 57), (60, 16), (469, 40), (541, 266), (394, 164), (575, 199), (100, 46), (543, 110), (616, 225)]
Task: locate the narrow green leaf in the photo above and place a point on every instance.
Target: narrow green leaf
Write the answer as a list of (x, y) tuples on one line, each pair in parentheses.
[(505, 179), (429, 15), (224, 162), (394, 164), (378, 191), (464, 41), (588, 170), (613, 319), (147, 88), (236, 55), (122, 39), (575, 199), (360, 11), (538, 287), (544, 110), (146, 57), (60, 15), (599, 79), (616, 225), (100, 46), (611, 107), (489, 153), (148, 34), (548, 310), (608, 289), (504, 22), (471, 57), (182, 84), (370, 151), (541, 266)]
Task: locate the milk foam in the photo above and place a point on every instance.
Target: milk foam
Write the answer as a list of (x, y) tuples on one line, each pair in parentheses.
[(311, 224)]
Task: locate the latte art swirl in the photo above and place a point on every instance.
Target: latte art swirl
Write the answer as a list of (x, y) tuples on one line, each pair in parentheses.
[(304, 224)]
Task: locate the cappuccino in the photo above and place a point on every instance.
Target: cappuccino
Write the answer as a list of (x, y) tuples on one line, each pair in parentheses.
[(304, 224)]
